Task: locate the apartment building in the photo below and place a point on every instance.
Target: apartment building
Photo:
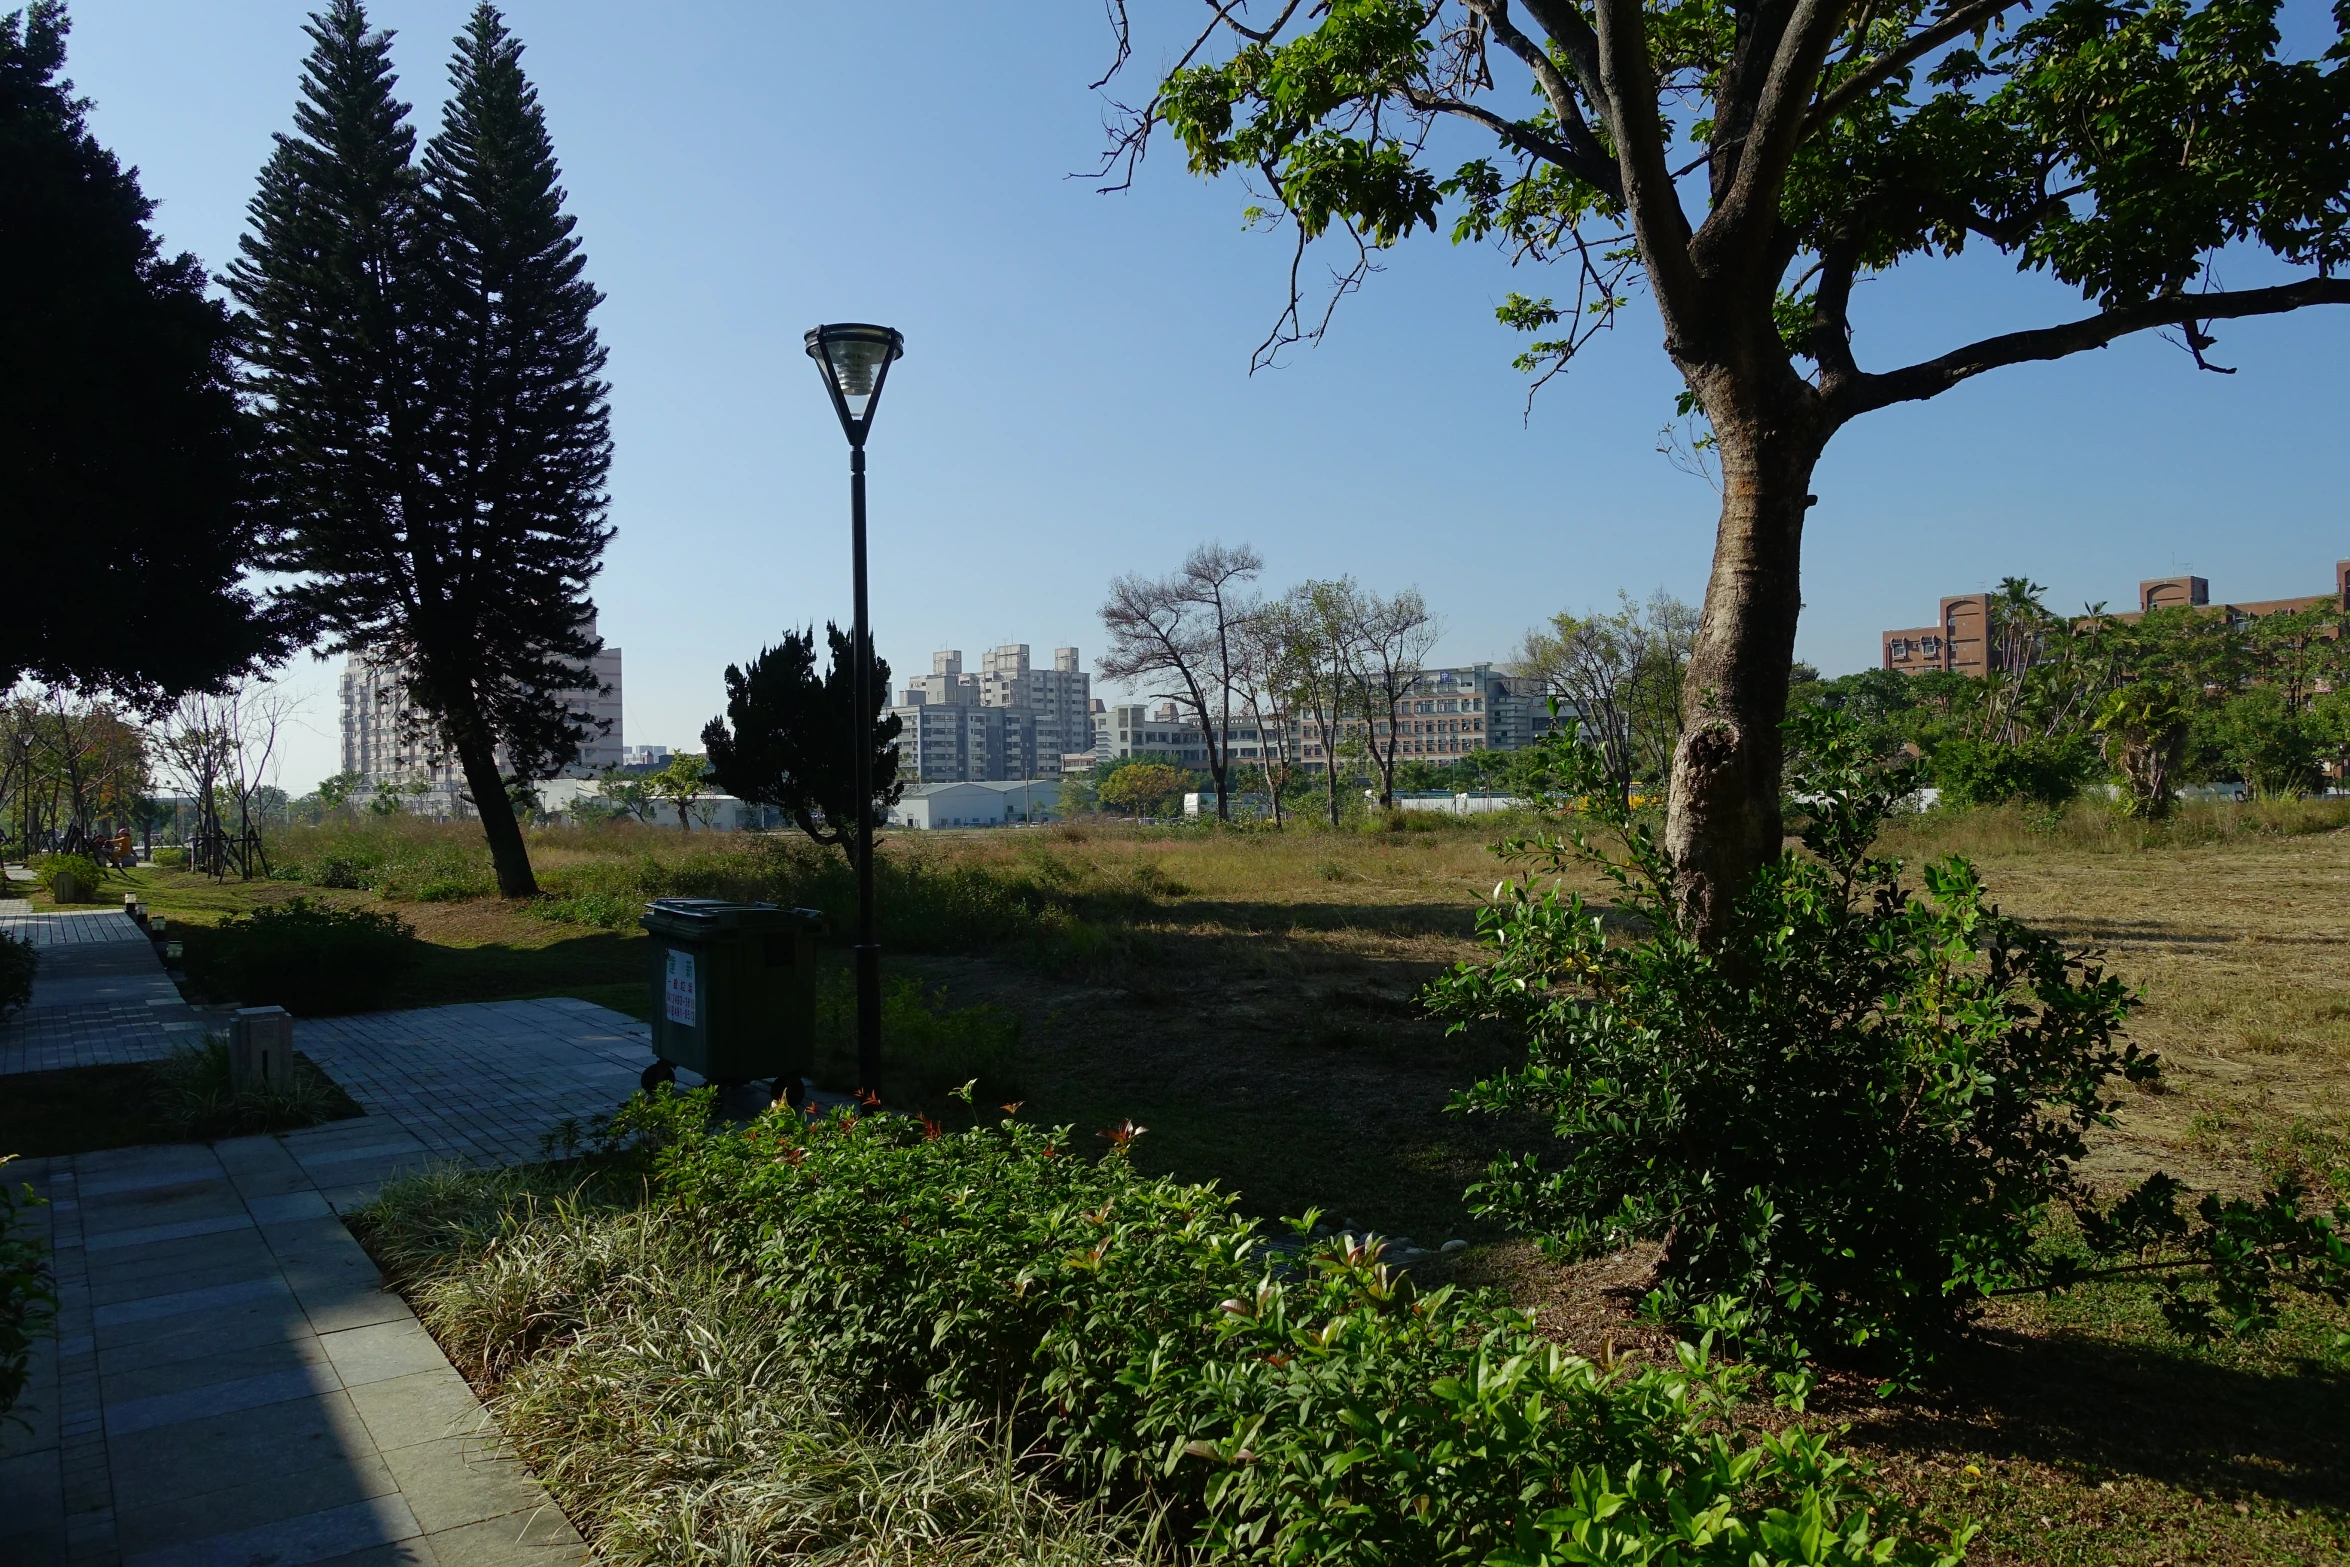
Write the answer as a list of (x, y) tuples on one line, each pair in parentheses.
[(1165, 732), (1473, 707), (1961, 641), (1449, 713), (382, 754), (1005, 720)]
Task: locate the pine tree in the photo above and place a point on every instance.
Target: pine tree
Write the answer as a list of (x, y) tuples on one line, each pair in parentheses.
[(524, 441), (126, 464), (441, 436)]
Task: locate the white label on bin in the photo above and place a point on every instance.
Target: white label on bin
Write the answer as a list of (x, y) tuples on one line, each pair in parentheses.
[(681, 987)]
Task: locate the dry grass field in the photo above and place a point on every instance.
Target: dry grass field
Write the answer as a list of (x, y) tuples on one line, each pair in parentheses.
[(1249, 998)]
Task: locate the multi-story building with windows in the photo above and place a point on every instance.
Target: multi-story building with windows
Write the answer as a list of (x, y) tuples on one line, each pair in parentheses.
[(1446, 714), (1961, 641), (1007, 721), (1165, 732), (382, 752), (1449, 713)]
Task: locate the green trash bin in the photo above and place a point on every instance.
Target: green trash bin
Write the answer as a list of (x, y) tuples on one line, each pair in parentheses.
[(734, 992)]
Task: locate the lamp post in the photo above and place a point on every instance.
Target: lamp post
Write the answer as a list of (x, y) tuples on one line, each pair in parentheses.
[(854, 359)]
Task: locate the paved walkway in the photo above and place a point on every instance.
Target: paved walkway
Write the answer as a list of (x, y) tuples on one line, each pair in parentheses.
[(480, 1084), (99, 996), (230, 1384)]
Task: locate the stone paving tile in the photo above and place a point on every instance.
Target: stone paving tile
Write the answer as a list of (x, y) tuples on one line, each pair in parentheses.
[(295, 1414), (423, 1406), (100, 997), (146, 1236), (381, 1352), (67, 927), (331, 1534), (479, 1083), (210, 1366), (453, 1481), (217, 1321), (247, 1509), (541, 1537)]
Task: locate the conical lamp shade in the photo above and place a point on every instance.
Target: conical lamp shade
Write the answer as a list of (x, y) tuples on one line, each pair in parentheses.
[(855, 359)]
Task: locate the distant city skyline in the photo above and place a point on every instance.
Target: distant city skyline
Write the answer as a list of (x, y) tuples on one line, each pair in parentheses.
[(1075, 401)]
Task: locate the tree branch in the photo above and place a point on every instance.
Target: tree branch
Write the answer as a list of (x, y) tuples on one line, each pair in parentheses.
[(1564, 25), (1747, 214), (1964, 19), (1831, 320), (1593, 167), (1633, 120), (1935, 376), (1575, 130)]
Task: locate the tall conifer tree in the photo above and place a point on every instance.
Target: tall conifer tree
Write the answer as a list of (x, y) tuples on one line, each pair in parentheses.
[(421, 337), (126, 464)]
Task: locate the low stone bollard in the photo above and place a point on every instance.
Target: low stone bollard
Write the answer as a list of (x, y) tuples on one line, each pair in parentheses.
[(66, 887), (260, 1047)]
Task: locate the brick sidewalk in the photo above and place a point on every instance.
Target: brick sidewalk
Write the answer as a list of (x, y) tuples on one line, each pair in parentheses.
[(230, 1383)]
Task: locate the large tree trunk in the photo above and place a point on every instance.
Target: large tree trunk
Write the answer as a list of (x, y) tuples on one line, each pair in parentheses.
[(1723, 822), (508, 854)]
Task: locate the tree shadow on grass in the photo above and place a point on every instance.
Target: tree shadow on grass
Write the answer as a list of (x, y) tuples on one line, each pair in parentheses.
[(496, 971), (2131, 1409)]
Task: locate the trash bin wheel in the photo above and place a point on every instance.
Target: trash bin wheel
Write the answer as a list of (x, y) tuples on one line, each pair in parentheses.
[(740, 1098), (655, 1075)]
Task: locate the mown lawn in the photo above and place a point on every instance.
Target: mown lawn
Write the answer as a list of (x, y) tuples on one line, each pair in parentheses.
[(1249, 998)]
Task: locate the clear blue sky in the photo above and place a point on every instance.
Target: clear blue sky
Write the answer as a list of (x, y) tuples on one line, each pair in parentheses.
[(1075, 400)]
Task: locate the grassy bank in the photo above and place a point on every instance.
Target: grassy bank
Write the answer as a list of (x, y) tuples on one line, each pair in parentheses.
[(1248, 997)]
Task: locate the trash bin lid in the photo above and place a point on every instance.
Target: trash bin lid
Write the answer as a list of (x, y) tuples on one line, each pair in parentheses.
[(710, 916)]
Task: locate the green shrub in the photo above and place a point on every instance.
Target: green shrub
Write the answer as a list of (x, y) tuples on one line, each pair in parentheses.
[(928, 1048), (194, 1097), (83, 869), (1984, 772), (28, 1300), (668, 1370), (1340, 1418), (311, 958), (1856, 1115), (353, 871), (19, 960), (170, 857)]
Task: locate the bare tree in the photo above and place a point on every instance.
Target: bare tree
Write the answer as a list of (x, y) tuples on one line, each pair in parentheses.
[(1384, 647), (1267, 659), (1321, 620), (1173, 636), (198, 740), (1622, 675), (221, 747), (255, 713)]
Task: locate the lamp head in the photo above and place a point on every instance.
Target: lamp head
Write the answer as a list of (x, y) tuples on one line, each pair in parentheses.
[(854, 358)]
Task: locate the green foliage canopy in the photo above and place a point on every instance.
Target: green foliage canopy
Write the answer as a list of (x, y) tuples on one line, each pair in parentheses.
[(1856, 1116), (128, 485), (2114, 144), (790, 736)]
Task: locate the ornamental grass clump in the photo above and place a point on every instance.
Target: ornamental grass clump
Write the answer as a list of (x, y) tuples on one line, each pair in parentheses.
[(725, 1335), (1853, 1119)]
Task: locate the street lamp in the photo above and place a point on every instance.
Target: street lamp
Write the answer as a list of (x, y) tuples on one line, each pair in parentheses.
[(854, 359)]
